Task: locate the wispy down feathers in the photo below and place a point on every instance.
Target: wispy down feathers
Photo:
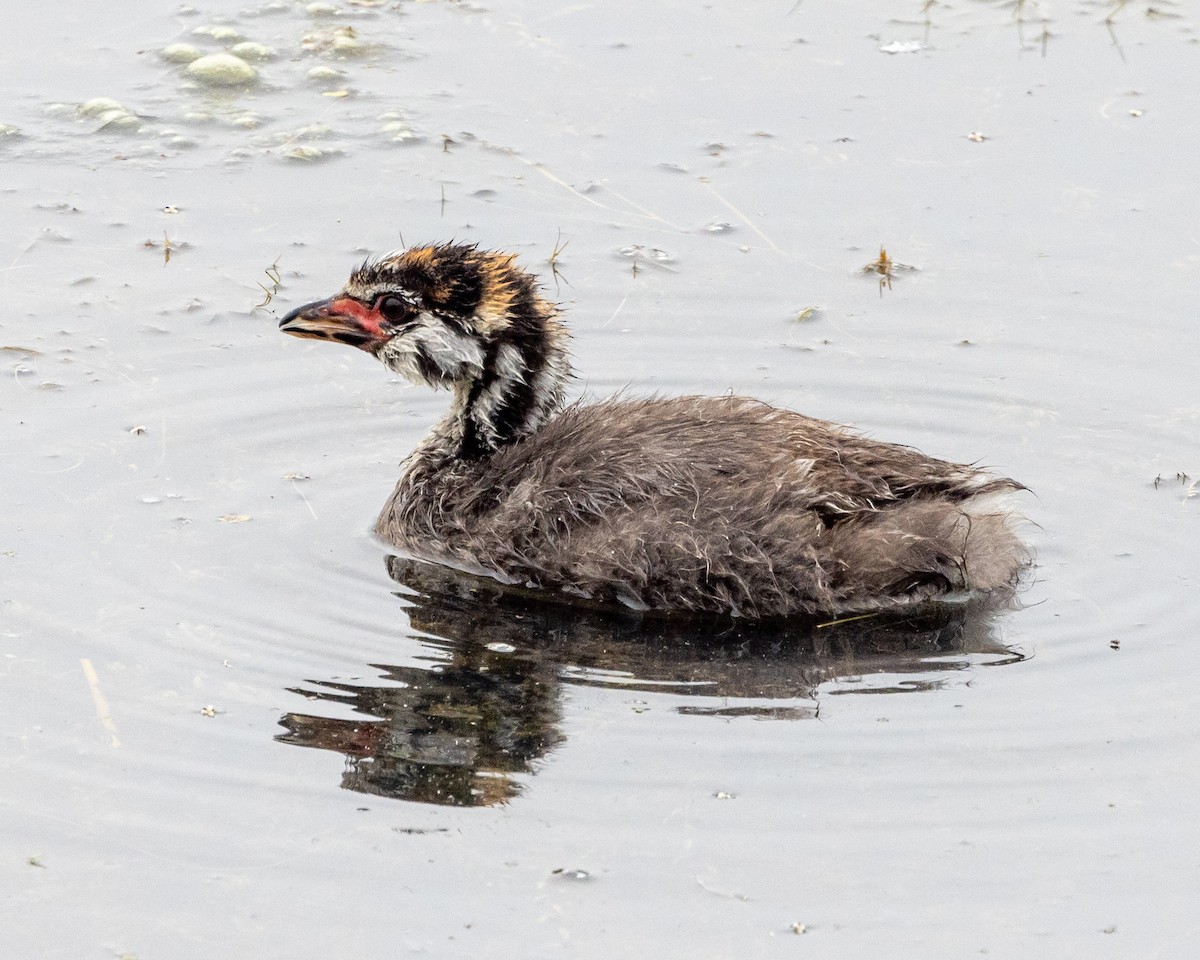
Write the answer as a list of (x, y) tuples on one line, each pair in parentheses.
[(685, 504)]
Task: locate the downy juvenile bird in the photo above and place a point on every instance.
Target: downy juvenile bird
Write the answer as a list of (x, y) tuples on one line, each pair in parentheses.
[(700, 504)]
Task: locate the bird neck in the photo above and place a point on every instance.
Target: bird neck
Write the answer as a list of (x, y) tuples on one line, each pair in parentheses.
[(519, 388)]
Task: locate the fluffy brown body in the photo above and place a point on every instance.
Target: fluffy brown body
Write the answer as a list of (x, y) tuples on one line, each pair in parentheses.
[(703, 504)]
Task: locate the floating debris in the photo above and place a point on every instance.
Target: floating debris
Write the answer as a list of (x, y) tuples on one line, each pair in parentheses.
[(555, 255), (249, 50), (180, 142), (112, 114), (571, 874), (272, 273), (309, 154), (234, 517), (902, 46), (325, 75), (208, 711), (399, 132), (885, 267), (976, 137), (340, 40), (640, 254), (98, 106), (807, 315), (180, 53), (311, 131), (222, 70), (119, 121), (221, 34), (1182, 477), (168, 246)]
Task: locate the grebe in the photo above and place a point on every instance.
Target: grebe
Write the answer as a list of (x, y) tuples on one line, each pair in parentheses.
[(701, 504)]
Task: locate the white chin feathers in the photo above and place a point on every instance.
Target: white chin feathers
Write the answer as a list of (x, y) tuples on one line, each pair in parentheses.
[(432, 354)]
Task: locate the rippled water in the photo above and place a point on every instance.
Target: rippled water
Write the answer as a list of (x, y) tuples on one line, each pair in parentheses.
[(190, 592)]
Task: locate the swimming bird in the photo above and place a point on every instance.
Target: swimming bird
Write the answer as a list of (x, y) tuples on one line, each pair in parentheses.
[(671, 504)]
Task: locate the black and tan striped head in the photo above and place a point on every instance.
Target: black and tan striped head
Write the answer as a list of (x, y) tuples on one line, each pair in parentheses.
[(454, 316)]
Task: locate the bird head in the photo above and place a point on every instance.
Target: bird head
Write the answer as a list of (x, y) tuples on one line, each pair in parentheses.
[(442, 315)]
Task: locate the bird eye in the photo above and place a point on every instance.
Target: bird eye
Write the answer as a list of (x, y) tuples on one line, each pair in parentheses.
[(393, 309)]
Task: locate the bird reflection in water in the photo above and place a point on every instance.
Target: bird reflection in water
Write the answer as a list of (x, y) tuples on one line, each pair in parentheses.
[(465, 725)]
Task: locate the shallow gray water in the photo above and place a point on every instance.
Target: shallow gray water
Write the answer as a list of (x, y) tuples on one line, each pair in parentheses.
[(189, 589)]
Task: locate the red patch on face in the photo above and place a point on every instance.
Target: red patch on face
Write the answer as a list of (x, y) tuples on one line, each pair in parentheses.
[(365, 318)]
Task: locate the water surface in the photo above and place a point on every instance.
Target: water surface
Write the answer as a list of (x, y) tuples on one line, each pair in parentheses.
[(190, 591)]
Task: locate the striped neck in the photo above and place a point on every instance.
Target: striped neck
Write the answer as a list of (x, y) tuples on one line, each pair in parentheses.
[(520, 387)]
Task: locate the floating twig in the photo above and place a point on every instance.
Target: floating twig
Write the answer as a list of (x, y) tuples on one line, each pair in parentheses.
[(102, 711), (272, 273)]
